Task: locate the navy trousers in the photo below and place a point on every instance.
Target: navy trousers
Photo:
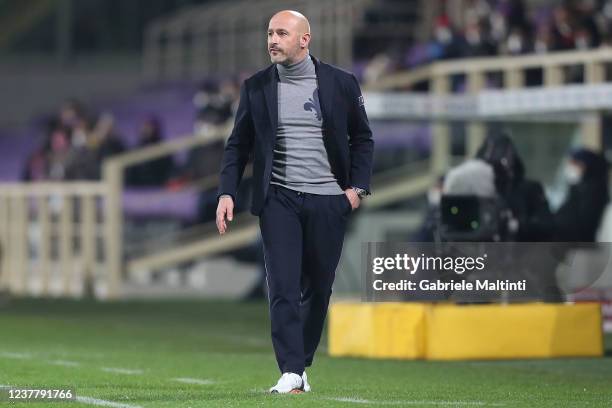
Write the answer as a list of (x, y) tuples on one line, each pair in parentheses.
[(302, 239)]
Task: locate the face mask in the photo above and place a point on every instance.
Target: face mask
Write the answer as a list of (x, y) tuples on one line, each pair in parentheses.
[(473, 37), (79, 138), (434, 196), (573, 174), (582, 43), (443, 35), (515, 44)]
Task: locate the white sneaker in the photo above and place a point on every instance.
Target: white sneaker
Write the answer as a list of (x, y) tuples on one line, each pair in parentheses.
[(288, 383), (305, 380)]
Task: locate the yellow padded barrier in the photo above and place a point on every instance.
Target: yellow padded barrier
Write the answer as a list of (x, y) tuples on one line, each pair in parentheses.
[(381, 330), (453, 332), (534, 330)]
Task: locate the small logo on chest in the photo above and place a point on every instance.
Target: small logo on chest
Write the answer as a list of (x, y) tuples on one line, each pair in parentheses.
[(313, 104)]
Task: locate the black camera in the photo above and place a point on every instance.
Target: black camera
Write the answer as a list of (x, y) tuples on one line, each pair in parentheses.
[(470, 218)]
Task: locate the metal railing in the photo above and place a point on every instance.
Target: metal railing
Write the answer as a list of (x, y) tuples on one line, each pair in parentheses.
[(53, 233), (513, 70), (114, 172)]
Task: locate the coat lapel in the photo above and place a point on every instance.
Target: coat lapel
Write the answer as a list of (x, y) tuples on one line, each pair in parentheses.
[(326, 93), (271, 95)]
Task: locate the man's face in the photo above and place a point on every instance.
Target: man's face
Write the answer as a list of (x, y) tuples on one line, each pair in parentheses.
[(283, 41)]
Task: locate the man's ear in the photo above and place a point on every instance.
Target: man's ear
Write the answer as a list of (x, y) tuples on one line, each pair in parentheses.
[(305, 40)]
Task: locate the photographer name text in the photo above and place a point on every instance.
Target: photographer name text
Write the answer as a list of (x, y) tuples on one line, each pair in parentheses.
[(440, 285)]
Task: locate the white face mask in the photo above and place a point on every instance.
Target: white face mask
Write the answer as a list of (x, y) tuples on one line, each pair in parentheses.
[(515, 44), (434, 197), (443, 35), (573, 174)]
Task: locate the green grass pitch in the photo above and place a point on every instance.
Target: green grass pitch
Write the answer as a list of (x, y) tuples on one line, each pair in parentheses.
[(218, 354)]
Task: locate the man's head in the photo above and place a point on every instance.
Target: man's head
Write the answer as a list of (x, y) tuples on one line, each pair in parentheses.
[(288, 37)]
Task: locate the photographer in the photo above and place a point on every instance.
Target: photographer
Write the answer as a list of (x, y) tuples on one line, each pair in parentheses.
[(531, 219)]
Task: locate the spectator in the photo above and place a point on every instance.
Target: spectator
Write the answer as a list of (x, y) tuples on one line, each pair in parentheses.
[(92, 142), (59, 155), (155, 172), (510, 27), (36, 166), (213, 104), (71, 112), (106, 138), (579, 216), (563, 30)]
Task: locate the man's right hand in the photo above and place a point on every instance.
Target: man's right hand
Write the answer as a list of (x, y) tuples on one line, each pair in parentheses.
[(225, 209)]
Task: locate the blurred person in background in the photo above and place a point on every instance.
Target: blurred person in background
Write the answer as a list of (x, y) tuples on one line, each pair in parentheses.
[(515, 27), (154, 172), (308, 177), (214, 103), (93, 140), (71, 112), (75, 146), (107, 139), (497, 172), (578, 218), (36, 167), (532, 219), (59, 155), (563, 29)]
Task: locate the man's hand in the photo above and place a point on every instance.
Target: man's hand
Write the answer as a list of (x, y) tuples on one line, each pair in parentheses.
[(353, 198), (225, 208)]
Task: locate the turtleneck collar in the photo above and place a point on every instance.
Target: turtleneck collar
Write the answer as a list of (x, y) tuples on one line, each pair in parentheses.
[(300, 68)]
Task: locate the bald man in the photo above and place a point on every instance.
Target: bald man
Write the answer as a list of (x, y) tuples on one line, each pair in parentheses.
[(305, 125)]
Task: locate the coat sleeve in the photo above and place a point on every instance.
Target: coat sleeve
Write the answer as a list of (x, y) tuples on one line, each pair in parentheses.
[(361, 144), (238, 147)]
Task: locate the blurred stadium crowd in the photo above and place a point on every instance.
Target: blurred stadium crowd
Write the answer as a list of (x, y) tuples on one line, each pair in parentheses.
[(504, 27), (77, 140)]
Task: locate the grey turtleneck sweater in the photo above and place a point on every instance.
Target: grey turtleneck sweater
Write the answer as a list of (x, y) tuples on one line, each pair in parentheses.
[(300, 159)]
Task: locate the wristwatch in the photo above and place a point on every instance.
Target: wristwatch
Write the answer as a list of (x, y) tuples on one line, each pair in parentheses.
[(360, 192)]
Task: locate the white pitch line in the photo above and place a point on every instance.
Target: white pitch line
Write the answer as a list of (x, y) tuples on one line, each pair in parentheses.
[(194, 381), (19, 356), (65, 363), (118, 370), (353, 400), (104, 403), (414, 402)]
